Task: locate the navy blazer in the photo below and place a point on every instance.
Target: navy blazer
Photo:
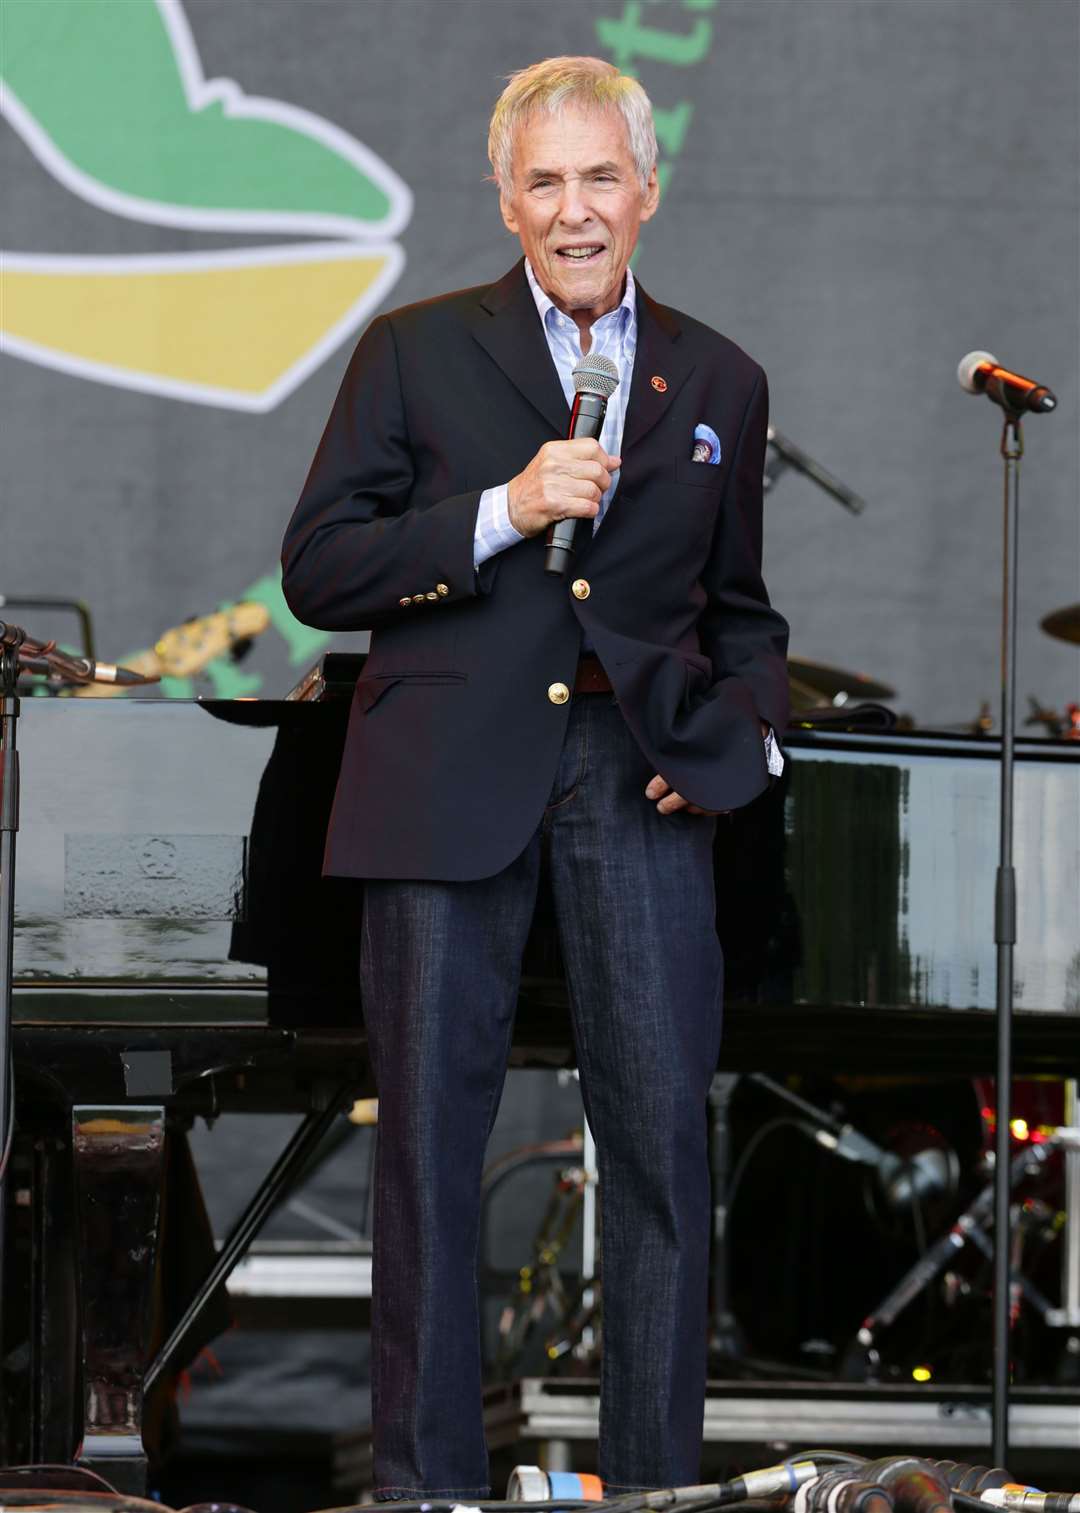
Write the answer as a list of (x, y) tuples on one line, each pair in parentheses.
[(453, 740)]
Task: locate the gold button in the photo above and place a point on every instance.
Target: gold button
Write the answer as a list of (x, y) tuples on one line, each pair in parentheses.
[(580, 588), (418, 598), (431, 595), (442, 589), (405, 602), (558, 693)]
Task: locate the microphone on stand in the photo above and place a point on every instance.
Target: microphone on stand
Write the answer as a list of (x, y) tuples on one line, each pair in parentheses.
[(43, 657), (980, 373), (794, 457), (87, 670), (595, 380)]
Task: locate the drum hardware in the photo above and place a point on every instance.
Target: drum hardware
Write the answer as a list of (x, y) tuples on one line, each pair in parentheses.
[(579, 1335), (983, 723), (813, 684), (1063, 624), (540, 1295), (913, 1181), (914, 1169), (1068, 1317), (863, 716), (1062, 727), (726, 1339), (863, 1357), (1031, 1219), (906, 1181)]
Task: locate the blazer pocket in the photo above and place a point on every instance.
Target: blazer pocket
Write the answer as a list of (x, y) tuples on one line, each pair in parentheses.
[(703, 475), (370, 689)]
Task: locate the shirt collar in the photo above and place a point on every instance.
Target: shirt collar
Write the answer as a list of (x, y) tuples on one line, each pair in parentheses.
[(628, 303)]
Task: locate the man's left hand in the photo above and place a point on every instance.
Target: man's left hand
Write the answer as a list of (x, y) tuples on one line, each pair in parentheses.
[(670, 801)]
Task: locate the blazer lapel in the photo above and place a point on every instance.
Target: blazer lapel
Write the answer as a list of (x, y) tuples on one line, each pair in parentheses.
[(511, 333), (661, 367)]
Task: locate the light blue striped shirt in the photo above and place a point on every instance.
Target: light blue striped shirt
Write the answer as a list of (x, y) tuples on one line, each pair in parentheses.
[(614, 335)]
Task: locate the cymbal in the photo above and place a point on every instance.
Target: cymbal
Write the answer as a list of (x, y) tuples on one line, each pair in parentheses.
[(812, 684), (1064, 624)]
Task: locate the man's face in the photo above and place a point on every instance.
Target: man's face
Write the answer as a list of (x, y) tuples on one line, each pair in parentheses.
[(576, 204)]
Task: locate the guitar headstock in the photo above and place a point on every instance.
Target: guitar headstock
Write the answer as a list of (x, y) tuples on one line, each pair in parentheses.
[(186, 650)]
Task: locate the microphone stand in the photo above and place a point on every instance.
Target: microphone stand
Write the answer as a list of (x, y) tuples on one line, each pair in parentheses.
[(1012, 449), (17, 651), (9, 824)]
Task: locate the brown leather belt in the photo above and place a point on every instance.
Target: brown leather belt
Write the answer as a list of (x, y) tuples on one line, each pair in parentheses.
[(591, 677)]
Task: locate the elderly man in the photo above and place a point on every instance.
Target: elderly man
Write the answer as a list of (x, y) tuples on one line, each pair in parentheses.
[(506, 716)]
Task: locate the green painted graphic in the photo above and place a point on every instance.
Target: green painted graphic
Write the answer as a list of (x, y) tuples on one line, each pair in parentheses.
[(627, 39), (633, 37), (112, 97)]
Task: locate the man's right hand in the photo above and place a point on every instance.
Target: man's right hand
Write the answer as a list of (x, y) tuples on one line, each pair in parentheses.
[(565, 478)]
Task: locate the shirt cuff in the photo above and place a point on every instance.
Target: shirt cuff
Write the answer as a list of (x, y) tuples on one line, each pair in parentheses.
[(774, 759), (493, 532)]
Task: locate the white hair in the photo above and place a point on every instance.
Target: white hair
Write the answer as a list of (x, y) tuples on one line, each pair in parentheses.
[(555, 82)]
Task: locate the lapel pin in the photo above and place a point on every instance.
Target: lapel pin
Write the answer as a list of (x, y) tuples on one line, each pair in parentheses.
[(658, 383)]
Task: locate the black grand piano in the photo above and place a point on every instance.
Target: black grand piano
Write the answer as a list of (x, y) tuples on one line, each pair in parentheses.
[(178, 954)]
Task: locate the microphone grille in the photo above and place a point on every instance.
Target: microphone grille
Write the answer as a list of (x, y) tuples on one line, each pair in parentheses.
[(594, 374), (969, 366)]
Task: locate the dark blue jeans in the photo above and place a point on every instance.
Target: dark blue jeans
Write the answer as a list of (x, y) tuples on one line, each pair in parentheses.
[(440, 969)]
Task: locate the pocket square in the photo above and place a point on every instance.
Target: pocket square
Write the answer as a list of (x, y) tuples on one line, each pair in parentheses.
[(706, 445)]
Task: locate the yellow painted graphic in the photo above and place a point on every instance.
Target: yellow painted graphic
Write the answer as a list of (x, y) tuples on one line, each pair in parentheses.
[(235, 329)]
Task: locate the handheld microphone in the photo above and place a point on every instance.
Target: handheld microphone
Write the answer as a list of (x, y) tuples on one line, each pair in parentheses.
[(595, 380), (980, 373)]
